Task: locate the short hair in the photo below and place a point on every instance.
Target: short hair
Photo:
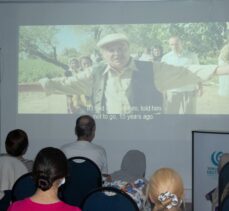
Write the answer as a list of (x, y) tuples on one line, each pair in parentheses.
[(162, 181), (16, 142), (50, 164), (85, 126)]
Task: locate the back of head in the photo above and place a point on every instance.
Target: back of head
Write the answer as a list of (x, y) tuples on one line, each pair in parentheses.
[(50, 165), (165, 190), (16, 142), (85, 127), (134, 163)]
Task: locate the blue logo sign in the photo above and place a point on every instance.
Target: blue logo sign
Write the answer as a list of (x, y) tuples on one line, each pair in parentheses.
[(215, 157)]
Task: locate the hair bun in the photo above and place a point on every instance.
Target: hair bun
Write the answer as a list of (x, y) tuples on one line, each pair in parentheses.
[(44, 183)]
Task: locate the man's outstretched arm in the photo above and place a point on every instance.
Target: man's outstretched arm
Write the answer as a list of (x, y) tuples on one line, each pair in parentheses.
[(79, 84)]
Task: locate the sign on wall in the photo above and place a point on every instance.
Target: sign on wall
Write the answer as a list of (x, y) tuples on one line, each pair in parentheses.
[(207, 148)]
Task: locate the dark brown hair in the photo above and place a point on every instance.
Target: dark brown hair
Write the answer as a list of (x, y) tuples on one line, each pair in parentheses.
[(50, 164), (16, 142)]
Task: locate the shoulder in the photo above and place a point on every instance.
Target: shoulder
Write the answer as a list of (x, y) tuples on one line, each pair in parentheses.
[(28, 164), (167, 55), (8, 161), (99, 147), (18, 204), (68, 145)]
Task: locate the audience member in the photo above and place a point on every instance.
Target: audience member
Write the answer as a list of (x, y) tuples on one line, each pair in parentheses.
[(85, 131), (13, 164), (213, 195), (181, 100), (133, 167), (131, 177), (10, 170), (16, 146), (49, 172), (165, 190)]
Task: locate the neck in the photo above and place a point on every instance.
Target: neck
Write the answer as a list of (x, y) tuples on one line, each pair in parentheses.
[(84, 139), (46, 197), (178, 52)]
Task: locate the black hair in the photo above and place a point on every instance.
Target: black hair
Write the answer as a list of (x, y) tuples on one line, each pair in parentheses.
[(157, 46), (50, 164), (16, 142), (85, 126)]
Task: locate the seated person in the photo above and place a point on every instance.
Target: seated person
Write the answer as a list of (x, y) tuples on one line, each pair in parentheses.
[(12, 164), (84, 146), (165, 190), (16, 146), (131, 177), (212, 196), (49, 172), (10, 170)]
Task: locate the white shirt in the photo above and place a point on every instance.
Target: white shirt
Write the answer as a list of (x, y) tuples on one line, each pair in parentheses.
[(116, 87), (10, 170), (223, 82), (89, 150)]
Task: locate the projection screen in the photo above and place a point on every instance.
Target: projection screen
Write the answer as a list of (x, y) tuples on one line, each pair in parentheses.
[(39, 39)]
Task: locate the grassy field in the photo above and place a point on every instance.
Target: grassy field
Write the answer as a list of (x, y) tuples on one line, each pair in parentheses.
[(40, 103)]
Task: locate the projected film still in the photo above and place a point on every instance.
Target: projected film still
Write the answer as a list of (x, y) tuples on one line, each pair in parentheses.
[(134, 69)]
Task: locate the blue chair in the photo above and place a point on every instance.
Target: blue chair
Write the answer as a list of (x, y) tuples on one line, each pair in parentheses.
[(108, 198), (84, 176), (6, 200), (24, 187)]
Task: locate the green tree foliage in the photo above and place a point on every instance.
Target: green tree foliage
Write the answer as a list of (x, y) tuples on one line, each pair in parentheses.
[(31, 70), (38, 44)]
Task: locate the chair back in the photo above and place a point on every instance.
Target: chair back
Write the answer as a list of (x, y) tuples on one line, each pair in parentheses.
[(5, 201), (223, 181), (24, 187), (84, 176), (108, 198)]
